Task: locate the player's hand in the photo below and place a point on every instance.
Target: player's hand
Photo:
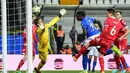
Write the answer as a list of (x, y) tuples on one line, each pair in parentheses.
[(120, 38), (63, 12), (74, 58)]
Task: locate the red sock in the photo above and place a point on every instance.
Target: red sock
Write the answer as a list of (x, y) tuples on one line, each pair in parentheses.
[(20, 64), (123, 61), (117, 59), (82, 50), (101, 61)]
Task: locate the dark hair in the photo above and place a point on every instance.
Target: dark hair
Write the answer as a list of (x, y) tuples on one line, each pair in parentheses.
[(81, 13), (99, 24), (111, 10), (36, 20), (119, 12)]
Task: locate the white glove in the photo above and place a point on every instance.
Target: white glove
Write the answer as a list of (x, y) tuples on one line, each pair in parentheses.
[(41, 26), (63, 12)]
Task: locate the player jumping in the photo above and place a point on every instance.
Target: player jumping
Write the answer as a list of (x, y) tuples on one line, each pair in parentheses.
[(43, 38), (91, 33), (24, 50), (94, 51), (109, 34)]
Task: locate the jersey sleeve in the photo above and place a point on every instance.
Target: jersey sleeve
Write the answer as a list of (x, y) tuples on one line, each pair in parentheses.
[(93, 19), (55, 20), (123, 22), (34, 31), (105, 26), (39, 31), (106, 23), (84, 24)]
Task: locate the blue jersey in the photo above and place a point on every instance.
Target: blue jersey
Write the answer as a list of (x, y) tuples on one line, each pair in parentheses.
[(99, 31), (87, 23)]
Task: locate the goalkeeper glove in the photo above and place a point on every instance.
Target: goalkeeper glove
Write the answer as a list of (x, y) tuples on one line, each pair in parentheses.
[(62, 12)]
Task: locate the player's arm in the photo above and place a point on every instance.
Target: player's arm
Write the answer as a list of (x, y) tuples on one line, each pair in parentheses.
[(40, 31), (84, 32), (84, 27), (105, 27), (34, 37), (49, 48), (126, 29), (56, 19)]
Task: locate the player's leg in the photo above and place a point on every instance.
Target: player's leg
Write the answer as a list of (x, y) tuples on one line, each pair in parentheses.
[(123, 46), (83, 49), (89, 62), (120, 45), (117, 60), (96, 54), (102, 51), (43, 57), (84, 63), (85, 46), (90, 54), (94, 63), (101, 62), (123, 61), (21, 63), (109, 51)]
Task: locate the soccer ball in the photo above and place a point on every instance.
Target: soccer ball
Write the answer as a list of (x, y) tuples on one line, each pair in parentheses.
[(36, 9)]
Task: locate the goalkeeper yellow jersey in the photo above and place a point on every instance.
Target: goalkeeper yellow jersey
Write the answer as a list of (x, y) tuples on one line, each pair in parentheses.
[(43, 35)]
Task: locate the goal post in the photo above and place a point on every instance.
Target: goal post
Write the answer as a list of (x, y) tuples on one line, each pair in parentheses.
[(15, 14), (4, 36), (29, 34)]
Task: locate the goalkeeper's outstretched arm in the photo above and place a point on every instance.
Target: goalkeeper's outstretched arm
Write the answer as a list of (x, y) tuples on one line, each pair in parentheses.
[(56, 19)]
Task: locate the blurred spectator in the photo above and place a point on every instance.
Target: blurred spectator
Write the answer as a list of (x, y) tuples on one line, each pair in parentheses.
[(55, 29), (52, 41), (66, 50), (60, 37)]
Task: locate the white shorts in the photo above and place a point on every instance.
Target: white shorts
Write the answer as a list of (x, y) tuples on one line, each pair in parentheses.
[(87, 40), (93, 51)]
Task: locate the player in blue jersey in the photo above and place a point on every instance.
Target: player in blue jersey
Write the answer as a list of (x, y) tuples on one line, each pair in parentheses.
[(91, 32), (94, 52)]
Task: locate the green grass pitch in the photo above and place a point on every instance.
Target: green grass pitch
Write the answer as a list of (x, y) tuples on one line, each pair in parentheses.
[(64, 71)]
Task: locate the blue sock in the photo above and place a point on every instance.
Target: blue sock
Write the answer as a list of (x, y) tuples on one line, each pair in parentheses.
[(127, 66), (121, 66), (84, 62), (109, 51), (94, 64), (89, 63)]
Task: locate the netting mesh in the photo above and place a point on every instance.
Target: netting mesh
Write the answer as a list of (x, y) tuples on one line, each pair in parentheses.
[(16, 20)]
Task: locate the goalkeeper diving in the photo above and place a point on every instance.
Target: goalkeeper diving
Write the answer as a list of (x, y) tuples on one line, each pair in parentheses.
[(43, 38)]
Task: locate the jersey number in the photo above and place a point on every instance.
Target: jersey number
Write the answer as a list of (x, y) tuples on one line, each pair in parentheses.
[(113, 31)]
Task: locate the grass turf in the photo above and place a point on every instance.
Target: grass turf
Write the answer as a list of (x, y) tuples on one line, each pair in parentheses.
[(60, 71)]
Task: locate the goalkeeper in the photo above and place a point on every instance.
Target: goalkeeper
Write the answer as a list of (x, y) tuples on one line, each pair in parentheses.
[(43, 38)]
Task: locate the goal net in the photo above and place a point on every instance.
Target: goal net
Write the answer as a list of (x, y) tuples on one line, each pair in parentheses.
[(16, 19)]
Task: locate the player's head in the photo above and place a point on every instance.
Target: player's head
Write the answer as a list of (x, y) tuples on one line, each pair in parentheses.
[(33, 18), (118, 14), (59, 27), (55, 25), (38, 21), (80, 15), (98, 24), (110, 12)]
